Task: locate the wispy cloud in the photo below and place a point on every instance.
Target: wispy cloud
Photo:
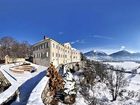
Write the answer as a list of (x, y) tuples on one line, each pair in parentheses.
[(101, 37), (77, 41), (60, 33)]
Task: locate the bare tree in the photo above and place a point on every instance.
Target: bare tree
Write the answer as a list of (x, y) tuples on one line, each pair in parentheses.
[(6, 46), (24, 49), (116, 82), (83, 57), (9, 46)]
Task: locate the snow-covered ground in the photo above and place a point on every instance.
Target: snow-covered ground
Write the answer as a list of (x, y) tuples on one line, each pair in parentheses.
[(80, 100), (26, 82), (35, 96), (134, 81), (128, 66), (133, 78), (31, 86), (100, 90)]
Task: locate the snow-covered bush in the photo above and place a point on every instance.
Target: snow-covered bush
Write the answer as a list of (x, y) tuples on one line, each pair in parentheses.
[(87, 81), (98, 67)]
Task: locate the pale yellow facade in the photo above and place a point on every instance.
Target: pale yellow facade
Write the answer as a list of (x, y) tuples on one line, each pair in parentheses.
[(11, 60), (49, 50)]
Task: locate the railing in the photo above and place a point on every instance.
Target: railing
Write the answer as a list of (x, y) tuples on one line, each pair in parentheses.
[(62, 68)]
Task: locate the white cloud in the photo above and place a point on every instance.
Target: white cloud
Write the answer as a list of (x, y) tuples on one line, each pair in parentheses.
[(122, 47), (102, 37), (78, 41), (60, 33)]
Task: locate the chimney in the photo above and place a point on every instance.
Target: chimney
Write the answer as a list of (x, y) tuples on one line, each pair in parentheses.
[(44, 37)]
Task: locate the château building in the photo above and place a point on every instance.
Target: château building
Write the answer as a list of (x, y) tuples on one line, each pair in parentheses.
[(50, 51)]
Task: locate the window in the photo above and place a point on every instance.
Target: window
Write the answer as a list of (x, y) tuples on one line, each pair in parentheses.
[(56, 54), (42, 46), (33, 48), (53, 54), (53, 45), (47, 54), (46, 45), (38, 55), (41, 55)]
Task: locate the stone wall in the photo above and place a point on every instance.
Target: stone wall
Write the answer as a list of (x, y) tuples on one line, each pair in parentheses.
[(4, 83), (11, 60)]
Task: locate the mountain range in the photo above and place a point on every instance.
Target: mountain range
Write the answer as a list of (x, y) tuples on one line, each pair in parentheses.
[(116, 56)]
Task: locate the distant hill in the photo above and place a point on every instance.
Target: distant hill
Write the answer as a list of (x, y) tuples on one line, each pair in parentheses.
[(116, 56), (136, 54), (122, 53)]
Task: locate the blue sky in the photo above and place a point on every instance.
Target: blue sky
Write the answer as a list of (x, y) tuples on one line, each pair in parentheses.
[(88, 24)]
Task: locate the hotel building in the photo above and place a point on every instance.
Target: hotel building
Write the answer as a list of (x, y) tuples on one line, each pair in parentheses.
[(49, 50)]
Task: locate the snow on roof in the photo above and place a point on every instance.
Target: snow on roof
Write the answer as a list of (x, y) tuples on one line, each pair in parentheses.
[(67, 45)]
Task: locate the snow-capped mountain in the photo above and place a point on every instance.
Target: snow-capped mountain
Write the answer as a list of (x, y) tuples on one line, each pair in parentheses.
[(116, 56), (97, 55)]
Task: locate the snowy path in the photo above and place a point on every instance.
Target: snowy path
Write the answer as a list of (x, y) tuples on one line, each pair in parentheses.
[(25, 82), (26, 89), (35, 97)]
